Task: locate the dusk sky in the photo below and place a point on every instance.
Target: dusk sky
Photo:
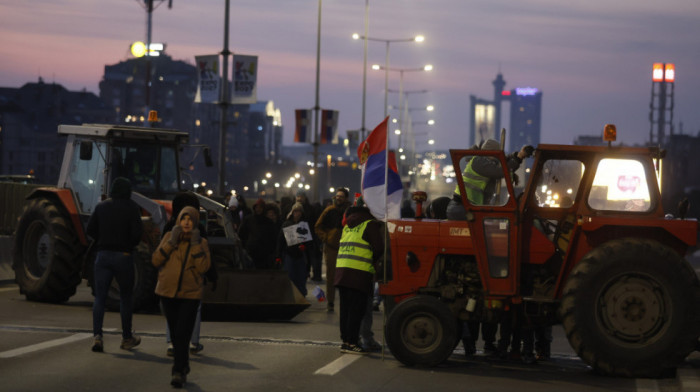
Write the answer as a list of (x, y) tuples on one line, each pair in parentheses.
[(591, 59)]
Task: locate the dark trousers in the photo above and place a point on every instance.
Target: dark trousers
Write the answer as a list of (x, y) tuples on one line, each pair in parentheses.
[(330, 255), (120, 266), (296, 268), (181, 314), (471, 333), (353, 306)]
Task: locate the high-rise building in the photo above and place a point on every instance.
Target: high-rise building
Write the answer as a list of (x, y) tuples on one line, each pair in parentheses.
[(525, 116)]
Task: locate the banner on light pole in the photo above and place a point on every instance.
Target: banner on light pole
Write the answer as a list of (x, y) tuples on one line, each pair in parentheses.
[(209, 82), (245, 73)]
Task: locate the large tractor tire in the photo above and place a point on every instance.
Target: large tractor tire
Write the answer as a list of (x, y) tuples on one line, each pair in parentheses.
[(631, 308), (421, 331), (48, 254)]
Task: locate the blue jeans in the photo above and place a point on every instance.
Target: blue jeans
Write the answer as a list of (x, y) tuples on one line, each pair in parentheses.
[(120, 266), (296, 268)]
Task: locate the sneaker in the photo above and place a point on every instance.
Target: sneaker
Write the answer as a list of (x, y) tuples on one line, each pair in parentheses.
[(354, 349), (373, 346), (344, 347), (170, 351), (97, 345), (330, 307), (195, 348), (129, 343), (178, 380)]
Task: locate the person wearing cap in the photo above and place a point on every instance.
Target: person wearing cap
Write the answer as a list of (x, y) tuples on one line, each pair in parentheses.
[(115, 227), (481, 176), (182, 259)]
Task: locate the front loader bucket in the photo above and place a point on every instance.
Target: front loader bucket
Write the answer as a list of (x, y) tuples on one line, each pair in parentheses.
[(252, 295)]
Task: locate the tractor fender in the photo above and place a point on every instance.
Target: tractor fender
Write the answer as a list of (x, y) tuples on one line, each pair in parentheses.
[(66, 199)]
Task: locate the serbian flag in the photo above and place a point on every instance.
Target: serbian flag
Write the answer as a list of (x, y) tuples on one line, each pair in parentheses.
[(303, 125), (381, 188), (329, 126)]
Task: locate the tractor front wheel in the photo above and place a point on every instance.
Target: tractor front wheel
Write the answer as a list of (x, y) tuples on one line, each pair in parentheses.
[(421, 331)]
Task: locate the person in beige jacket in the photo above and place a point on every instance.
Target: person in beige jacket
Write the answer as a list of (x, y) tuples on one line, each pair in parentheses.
[(182, 259)]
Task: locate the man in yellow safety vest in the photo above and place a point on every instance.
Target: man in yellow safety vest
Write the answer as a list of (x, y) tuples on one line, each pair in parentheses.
[(361, 247), (481, 176)]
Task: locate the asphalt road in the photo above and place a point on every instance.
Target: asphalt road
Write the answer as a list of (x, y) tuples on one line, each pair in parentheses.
[(46, 347)]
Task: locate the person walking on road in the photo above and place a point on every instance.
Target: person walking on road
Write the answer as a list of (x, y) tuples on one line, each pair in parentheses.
[(116, 228), (360, 248), (182, 258), (329, 228), (180, 201)]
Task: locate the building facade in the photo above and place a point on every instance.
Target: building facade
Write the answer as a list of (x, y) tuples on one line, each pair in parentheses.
[(29, 119)]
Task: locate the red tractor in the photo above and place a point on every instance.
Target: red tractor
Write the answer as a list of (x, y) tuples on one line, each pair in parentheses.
[(585, 243), (52, 254)]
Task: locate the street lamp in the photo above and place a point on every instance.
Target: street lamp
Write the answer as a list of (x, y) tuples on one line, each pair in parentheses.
[(417, 38)]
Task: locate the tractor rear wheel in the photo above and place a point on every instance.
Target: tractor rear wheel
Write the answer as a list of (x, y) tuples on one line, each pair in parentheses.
[(631, 308), (421, 331), (48, 254)]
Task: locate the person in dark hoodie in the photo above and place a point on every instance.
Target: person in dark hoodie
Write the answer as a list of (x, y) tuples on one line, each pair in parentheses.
[(361, 247), (257, 233), (116, 228)]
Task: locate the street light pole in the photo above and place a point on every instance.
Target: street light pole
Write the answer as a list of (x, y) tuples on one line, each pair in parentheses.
[(223, 103), (427, 68), (316, 192), (364, 71), (418, 38)]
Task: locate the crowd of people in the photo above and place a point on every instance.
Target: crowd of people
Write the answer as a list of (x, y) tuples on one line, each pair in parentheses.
[(293, 235)]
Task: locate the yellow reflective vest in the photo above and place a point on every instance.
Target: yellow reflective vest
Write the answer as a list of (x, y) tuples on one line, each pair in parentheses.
[(474, 183), (355, 252)]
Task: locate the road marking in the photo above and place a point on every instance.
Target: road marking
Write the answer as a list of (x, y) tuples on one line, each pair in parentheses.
[(44, 345), (646, 385), (337, 365)]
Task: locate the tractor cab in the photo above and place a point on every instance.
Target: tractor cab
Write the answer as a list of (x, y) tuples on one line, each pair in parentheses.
[(96, 154), (538, 224)]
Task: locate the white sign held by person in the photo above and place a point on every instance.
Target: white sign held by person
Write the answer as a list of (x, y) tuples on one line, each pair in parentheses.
[(296, 234), (208, 80)]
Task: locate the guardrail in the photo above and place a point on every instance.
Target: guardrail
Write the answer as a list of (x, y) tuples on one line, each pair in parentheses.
[(12, 199)]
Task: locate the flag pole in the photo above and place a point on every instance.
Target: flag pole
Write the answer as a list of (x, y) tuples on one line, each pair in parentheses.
[(386, 222)]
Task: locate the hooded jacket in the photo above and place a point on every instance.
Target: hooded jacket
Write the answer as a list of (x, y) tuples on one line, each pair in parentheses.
[(182, 267), (116, 224)]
